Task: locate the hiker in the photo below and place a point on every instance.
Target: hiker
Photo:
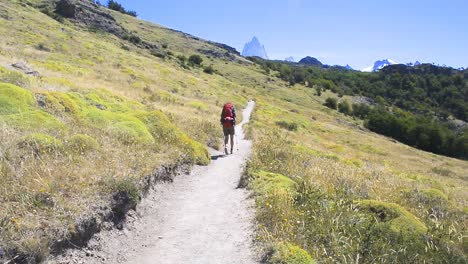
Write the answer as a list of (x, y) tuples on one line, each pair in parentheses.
[(228, 120)]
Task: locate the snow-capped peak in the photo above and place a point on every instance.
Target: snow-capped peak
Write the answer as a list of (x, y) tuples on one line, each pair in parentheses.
[(254, 48), (379, 65), (290, 59)]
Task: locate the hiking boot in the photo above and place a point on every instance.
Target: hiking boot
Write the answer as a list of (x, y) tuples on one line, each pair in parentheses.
[(226, 151)]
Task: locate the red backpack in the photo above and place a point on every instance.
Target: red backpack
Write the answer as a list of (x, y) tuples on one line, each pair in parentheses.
[(228, 116)]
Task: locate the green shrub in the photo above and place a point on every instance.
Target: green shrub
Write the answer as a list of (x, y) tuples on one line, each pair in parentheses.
[(14, 99), (81, 143), (125, 47), (356, 162), (291, 126), (47, 9), (195, 60), (287, 253), (13, 77), (197, 151), (158, 54), (34, 121), (199, 106), (55, 102), (318, 89), (361, 110), (331, 103), (128, 187), (344, 107), (433, 194), (114, 5), (435, 200), (165, 132), (182, 58), (395, 220), (129, 132), (40, 143), (264, 182), (132, 38), (160, 127), (208, 69), (42, 47)]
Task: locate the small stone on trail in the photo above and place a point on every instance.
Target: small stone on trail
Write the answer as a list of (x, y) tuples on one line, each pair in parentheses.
[(160, 237)]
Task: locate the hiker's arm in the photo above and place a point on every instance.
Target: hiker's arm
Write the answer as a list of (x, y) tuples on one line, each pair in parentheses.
[(222, 114), (234, 114)]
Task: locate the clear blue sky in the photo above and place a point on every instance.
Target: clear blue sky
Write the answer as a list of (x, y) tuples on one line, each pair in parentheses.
[(341, 32)]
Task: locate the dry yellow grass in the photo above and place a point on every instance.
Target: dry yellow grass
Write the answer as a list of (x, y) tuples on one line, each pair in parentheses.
[(45, 187)]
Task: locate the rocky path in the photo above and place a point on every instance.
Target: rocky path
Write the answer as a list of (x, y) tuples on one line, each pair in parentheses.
[(199, 218)]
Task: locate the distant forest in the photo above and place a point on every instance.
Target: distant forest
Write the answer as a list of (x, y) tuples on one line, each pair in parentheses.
[(413, 104)]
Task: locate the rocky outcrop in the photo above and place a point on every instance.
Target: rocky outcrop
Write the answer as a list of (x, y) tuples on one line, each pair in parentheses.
[(458, 125), (225, 47), (66, 8), (90, 15), (218, 54), (363, 100), (95, 17), (23, 67)]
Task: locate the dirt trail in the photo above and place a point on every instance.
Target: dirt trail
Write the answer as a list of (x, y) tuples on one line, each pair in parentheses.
[(199, 218)]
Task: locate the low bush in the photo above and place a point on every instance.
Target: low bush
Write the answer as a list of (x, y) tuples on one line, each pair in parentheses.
[(331, 103), (208, 69), (182, 58), (114, 5), (34, 121), (128, 187), (165, 132), (42, 47), (14, 99), (40, 144), (14, 77), (195, 60), (287, 253), (81, 144), (396, 223), (57, 103), (158, 54), (129, 132), (132, 38), (344, 107), (291, 126)]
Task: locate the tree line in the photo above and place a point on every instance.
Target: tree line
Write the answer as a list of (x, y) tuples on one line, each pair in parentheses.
[(408, 128), (413, 104), (114, 5)]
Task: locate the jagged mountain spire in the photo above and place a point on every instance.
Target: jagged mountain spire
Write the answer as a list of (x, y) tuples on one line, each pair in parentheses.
[(254, 48)]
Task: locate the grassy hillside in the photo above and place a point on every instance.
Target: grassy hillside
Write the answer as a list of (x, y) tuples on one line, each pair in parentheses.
[(107, 109)]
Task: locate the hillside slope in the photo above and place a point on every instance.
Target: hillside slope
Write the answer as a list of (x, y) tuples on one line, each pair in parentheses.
[(100, 110)]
